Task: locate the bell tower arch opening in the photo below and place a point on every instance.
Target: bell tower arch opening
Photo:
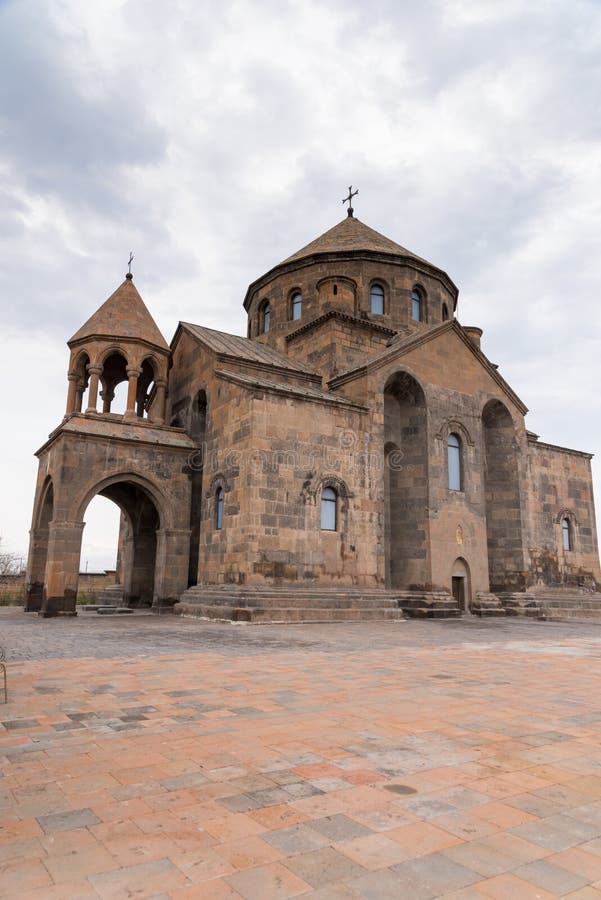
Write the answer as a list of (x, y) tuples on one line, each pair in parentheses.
[(406, 482), (114, 374)]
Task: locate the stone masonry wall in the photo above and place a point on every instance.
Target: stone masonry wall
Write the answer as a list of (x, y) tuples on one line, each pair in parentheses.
[(560, 486)]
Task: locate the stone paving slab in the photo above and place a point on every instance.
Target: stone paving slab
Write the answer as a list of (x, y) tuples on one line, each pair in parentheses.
[(175, 759)]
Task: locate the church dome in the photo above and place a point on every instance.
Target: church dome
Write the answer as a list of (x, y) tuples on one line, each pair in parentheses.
[(351, 235)]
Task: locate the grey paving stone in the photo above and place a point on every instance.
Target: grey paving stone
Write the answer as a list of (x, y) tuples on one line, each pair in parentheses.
[(15, 724), (590, 812), (558, 832), (283, 777), (301, 789), (239, 803), (65, 821), (320, 867), (339, 828), (428, 808), (551, 878), (437, 873), (476, 856), (536, 806), (387, 885), (187, 780), (269, 797), (296, 839), (328, 784)]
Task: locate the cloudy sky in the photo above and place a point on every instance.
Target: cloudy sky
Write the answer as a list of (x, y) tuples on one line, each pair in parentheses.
[(216, 138)]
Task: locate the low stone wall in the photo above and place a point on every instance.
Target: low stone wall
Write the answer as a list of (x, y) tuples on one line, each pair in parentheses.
[(13, 587)]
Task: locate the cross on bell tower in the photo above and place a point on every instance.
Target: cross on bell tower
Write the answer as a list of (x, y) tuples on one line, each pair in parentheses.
[(349, 200)]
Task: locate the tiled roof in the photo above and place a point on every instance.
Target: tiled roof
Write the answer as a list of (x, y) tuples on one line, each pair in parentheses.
[(351, 234), (123, 315), (245, 349), (303, 392)]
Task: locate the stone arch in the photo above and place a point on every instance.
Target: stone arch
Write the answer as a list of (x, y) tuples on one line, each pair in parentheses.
[(142, 526), (115, 363), (461, 587), (450, 426), (383, 283), (502, 499), (566, 515), (422, 294), (405, 482), (146, 381), (79, 379), (127, 477)]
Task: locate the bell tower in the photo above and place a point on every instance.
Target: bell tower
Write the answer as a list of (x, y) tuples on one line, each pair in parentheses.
[(131, 457), (120, 342)]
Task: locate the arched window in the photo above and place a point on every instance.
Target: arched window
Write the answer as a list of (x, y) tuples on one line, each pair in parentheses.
[(376, 299), (219, 508), (566, 534), (296, 304), (454, 459), (445, 312), (329, 503), (417, 305), (264, 317)]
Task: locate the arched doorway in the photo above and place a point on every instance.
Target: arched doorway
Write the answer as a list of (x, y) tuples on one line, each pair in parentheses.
[(406, 482), (138, 534), (502, 497), (460, 584)]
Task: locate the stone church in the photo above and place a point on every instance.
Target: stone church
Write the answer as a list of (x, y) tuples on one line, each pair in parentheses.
[(355, 456)]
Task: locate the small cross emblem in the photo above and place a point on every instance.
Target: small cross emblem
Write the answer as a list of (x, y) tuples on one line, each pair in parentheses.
[(349, 199), (129, 262)]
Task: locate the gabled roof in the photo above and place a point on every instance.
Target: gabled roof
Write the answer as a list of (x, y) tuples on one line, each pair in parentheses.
[(301, 392), (351, 234), (403, 344), (235, 347), (123, 315)]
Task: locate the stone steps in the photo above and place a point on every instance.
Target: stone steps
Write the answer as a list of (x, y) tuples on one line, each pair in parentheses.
[(280, 605), (311, 604), (559, 603), (284, 615)]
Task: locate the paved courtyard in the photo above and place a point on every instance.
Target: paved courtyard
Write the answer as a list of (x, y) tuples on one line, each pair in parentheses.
[(168, 758)]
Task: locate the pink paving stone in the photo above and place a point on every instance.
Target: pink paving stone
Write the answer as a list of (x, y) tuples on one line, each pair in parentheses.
[(470, 752)]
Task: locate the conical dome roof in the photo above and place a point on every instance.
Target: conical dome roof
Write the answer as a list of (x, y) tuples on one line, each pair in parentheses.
[(348, 235), (123, 315)]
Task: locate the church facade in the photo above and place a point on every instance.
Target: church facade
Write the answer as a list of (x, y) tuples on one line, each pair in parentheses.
[(356, 448)]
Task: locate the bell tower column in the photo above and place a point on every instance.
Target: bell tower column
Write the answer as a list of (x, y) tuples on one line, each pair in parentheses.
[(132, 391), (159, 416), (72, 395), (95, 373)]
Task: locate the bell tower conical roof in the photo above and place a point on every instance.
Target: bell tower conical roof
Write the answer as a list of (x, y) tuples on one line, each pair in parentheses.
[(123, 315)]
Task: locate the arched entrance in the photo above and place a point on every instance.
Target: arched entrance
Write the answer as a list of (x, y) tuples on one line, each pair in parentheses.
[(460, 584), (138, 534), (406, 482)]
